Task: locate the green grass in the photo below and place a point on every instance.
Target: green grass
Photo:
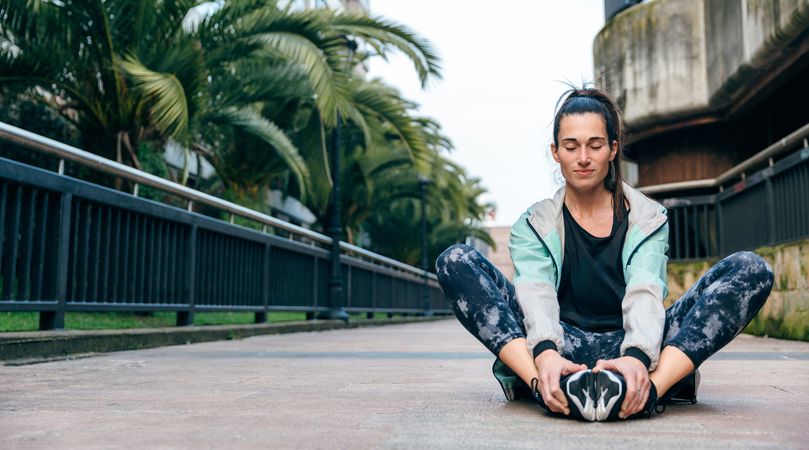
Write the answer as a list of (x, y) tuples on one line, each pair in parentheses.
[(29, 321)]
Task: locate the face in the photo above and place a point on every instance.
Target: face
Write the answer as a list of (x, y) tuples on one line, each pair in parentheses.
[(584, 153)]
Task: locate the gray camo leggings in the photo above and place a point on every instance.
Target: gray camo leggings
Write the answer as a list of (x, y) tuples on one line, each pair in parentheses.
[(706, 318)]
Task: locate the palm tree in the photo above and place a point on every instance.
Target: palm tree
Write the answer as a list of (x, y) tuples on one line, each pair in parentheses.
[(122, 70)]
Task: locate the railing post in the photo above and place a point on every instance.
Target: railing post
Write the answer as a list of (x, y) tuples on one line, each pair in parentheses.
[(770, 210), (186, 318), (425, 289), (261, 317), (719, 230), (55, 320)]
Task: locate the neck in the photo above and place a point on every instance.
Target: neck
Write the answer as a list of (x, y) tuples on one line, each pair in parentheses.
[(588, 203)]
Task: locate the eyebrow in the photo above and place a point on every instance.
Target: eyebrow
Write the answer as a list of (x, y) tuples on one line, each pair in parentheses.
[(594, 138)]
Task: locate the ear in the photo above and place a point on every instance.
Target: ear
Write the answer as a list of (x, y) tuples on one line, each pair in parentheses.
[(614, 150), (554, 152)]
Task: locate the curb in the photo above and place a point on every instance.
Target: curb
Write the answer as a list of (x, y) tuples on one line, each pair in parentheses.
[(33, 347)]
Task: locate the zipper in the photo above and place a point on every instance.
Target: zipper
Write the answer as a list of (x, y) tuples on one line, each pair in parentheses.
[(631, 255), (547, 249)]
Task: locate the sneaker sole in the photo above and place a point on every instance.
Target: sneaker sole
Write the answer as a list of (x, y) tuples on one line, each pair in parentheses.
[(579, 389), (610, 393)]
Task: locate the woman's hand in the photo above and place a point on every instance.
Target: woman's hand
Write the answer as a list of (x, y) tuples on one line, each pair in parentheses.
[(552, 366), (637, 382)]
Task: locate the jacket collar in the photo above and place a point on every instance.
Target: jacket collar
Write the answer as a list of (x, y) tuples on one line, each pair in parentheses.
[(647, 214)]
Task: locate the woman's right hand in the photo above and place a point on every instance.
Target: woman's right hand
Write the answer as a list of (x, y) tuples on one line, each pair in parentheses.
[(552, 366)]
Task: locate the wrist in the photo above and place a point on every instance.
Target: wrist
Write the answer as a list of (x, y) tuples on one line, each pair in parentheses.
[(544, 346), (638, 355)]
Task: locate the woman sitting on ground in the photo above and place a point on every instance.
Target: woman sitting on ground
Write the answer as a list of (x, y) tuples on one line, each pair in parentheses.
[(583, 325)]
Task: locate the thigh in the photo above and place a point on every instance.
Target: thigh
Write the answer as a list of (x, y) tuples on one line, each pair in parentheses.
[(482, 298), (718, 306)]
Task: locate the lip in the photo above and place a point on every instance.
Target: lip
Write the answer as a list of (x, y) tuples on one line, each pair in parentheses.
[(584, 172)]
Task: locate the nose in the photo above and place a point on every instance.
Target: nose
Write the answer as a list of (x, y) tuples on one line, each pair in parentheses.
[(583, 157)]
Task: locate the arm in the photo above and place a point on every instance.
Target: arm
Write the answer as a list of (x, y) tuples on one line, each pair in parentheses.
[(535, 285), (643, 312)]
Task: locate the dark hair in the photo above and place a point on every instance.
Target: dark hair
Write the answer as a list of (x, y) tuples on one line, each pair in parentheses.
[(591, 100)]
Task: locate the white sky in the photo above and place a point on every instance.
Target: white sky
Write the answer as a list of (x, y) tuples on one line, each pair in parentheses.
[(502, 64)]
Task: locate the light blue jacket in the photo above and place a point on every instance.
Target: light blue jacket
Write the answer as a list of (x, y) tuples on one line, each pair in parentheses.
[(537, 245)]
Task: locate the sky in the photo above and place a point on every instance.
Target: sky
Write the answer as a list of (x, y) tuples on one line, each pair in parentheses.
[(504, 64)]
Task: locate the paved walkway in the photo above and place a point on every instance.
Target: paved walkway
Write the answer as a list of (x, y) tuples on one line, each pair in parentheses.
[(399, 386)]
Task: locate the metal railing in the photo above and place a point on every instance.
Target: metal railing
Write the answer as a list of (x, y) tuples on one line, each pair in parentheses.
[(768, 207), (69, 245)]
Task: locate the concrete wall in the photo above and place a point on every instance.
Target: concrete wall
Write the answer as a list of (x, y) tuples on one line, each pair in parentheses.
[(668, 59), (786, 313), (500, 257)]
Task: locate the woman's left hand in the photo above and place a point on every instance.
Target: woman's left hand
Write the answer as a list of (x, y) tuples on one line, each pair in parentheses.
[(637, 382)]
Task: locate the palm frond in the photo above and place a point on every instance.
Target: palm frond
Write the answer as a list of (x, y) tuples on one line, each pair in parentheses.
[(381, 33), (166, 95), (375, 98), (248, 121)]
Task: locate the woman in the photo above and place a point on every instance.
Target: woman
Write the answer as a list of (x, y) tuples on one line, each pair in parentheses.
[(583, 324)]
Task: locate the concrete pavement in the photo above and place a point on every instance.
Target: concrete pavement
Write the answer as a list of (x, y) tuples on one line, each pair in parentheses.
[(400, 386)]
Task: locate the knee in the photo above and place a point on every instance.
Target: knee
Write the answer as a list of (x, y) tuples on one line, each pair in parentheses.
[(754, 268), (454, 254)]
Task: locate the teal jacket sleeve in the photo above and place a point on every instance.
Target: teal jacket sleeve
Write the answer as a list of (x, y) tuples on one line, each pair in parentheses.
[(535, 286), (642, 307)]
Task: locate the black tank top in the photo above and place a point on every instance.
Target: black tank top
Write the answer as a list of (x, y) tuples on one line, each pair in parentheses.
[(592, 285)]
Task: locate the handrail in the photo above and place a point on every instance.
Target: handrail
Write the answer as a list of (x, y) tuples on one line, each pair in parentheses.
[(77, 155), (784, 143)]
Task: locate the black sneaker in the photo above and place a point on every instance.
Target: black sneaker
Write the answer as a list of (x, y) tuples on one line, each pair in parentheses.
[(611, 391), (684, 392), (652, 405), (574, 413), (611, 388), (580, 393)]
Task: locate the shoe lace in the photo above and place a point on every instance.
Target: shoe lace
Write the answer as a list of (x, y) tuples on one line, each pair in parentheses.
[(534, 384)]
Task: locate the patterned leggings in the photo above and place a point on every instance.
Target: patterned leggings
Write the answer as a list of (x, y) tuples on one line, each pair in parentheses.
[(706, 318)]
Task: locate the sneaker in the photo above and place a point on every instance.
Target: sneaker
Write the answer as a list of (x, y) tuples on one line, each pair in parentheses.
[(538, 397), (580, 393), (684, 392), (611, 391), (653, 405)]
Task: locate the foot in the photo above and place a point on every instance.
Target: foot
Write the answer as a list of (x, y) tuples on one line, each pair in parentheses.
[(652, 405), (598, 396), (579, 392), (611, 390)]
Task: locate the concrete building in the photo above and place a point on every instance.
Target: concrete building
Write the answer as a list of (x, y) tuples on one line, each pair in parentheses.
[(704, 84), (715, 95)]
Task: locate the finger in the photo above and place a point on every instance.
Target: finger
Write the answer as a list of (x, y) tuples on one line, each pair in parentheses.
[(557, 392), (641, 397), (560, 396), (549, 399), (570, 367), (644, 399), (629, 400), (636, 406), (646, 385), (599, 365)]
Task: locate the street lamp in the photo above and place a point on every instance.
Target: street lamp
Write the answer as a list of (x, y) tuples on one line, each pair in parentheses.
[(425, 289), (335, 229)]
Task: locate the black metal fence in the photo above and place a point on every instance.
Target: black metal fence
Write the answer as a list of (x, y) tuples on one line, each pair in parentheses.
[(68, 245), (769, 207)]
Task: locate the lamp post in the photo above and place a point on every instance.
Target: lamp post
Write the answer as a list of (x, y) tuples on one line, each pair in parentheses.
[(335, 230), (425, 289)]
